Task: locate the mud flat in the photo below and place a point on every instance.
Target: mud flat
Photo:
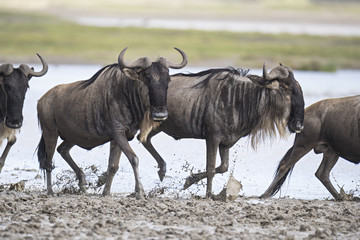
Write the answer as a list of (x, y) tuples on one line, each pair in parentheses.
[(33, 215)]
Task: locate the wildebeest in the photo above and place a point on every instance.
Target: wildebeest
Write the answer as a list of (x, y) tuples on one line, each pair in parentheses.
[(223, 105), (110, 106), (331, 127), (14, 83)]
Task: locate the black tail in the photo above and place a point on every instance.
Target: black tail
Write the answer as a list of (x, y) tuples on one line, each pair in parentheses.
[(42, 156), (282, 180)]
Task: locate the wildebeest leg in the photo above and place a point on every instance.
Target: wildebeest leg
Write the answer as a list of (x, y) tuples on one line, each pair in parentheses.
[(211, 151), (293, 155), (46, 151), (161, 163), (124, 145), (64, 150), (113, 166), (224, 156), (9, 144), (328, 162)]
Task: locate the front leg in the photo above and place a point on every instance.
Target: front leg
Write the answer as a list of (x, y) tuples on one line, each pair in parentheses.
[(211, 151), (124, 145), (113, 166), (150, 148), (9, 144)]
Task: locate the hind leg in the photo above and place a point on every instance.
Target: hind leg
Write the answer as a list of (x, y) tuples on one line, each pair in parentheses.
[(293, 155), (328, 162), (64, 150), (113, 166), (49, 145), (9, 144), (224, 165)]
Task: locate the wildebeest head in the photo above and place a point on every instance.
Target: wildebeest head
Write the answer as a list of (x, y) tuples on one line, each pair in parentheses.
[(14, 83), (155, 75), (282, 78)]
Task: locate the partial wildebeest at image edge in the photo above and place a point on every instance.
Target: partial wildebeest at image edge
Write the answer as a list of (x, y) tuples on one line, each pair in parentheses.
[(109, 107), (331, 128), (224, 105), (14, 83)]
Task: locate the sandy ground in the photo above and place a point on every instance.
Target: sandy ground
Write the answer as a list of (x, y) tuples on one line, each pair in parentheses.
[(33, 215)]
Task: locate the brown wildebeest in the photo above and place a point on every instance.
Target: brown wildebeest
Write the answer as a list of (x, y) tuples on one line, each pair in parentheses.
[(111, 106), (331, 127), (14, 83), (223, 105)]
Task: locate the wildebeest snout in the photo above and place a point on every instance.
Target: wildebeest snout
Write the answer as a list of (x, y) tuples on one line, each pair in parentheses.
[(159, 113), (14, 123)]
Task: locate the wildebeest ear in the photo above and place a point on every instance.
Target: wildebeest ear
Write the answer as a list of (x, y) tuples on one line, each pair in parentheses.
[(261, 81), (131, 73), (258, 80), (273, 85)]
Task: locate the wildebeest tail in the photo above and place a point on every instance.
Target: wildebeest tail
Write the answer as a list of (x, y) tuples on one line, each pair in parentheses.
[(282, 180), (42, 156)]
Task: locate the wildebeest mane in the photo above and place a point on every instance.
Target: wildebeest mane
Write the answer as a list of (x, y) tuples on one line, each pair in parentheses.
[(107, 69), (215, 73)]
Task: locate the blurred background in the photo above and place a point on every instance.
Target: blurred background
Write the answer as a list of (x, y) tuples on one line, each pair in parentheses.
[(305, 34)]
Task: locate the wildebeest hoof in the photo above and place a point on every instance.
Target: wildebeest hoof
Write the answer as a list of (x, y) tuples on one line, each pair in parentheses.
[(189, 181), (102, 179), (140, 196), (161, 175), (82, 188)]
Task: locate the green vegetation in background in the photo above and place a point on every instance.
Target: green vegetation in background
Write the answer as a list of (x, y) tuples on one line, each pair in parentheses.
[(58, 41)]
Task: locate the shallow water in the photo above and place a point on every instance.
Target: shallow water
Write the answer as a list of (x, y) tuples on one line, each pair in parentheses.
[(273, 27), (254, 169)]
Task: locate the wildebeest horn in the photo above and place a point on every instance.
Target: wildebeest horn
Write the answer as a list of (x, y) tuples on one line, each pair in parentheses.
[(30, 72), (141, 62), (279, 72), (6, 69), (265, 73), (182, 64)]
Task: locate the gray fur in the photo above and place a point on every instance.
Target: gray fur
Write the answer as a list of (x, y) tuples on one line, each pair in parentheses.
[(331, 127), (223, 105)]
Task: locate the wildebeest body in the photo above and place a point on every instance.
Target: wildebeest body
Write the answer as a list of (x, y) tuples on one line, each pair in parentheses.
[(97, 119), (110, 106), (331, 127), (211, 109), (340, 129), (223, 105)]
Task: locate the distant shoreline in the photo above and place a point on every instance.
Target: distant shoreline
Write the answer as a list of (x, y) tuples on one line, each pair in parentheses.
[(273, 27)]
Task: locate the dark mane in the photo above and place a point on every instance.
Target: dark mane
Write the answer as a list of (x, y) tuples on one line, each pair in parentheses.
[(106, 69), (231, 72)]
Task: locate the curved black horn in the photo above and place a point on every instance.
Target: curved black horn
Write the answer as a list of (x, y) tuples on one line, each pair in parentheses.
[(141, 62), (182, 64), (6, 69), (265, 73), (30, 72)]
